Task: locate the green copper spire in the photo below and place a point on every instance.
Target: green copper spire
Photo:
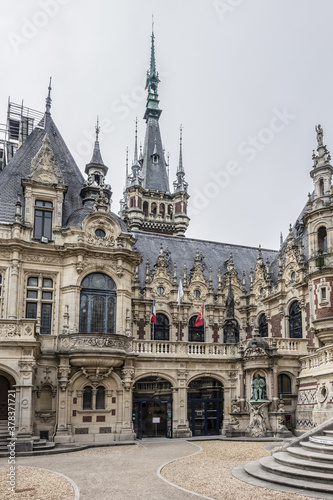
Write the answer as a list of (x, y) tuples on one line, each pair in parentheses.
[(152, 81)]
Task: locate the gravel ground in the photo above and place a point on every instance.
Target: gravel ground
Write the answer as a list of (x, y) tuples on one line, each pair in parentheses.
[(209, 472), (35, 484), (108, 450)]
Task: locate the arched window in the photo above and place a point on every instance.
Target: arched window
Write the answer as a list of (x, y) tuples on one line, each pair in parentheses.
[(162, 210), (284, 384), (87, 398), (100, 398), (145, 208), (263, 326), (295, 321), (154, 208), (322, 239), (321, 187), (195, 333), (160, 331), (170, 210), (98, 304)]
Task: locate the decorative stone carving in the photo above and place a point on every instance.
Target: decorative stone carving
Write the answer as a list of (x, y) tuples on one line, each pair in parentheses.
[(95, 375), (44, 167), (127, 376), (101, 223), (75, 342)]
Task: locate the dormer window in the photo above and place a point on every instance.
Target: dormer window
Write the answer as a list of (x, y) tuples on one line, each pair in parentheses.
[(97, 179), (155, 158), (43, 220)]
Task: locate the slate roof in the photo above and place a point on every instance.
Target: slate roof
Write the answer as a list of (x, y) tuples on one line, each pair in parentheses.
[(19, 168), (77, 217), (183, 251), (155, 175)]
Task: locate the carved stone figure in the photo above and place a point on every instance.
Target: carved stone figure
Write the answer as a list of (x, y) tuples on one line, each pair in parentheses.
[(320, 134), (258, 388), (257, 425)]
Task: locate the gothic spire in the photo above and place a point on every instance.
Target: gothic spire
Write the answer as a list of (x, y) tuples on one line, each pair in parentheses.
[(48, 99), (180, 184), (136, 142), (152, 81), (97, 157)]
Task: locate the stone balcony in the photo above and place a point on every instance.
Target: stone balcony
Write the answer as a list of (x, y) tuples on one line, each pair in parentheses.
[(95, 349), (14, 331), (292, 347), (186, 349), (320, 362)]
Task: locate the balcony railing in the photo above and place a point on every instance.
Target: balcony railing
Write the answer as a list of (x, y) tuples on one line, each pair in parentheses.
[(16, 329), (322, 359), (167, 348)]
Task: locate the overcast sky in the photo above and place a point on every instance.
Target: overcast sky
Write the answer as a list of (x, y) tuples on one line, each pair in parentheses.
[(247, 79)]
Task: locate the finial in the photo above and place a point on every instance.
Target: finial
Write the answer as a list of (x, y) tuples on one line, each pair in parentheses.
[(180, 166), (136, 141), (97, 129), (320, 134), (48, 99), (126, 183), (281, 240), (152, 24)]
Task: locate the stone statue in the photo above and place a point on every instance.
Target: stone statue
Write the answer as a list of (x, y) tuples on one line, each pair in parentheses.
[(320, 134), (234, 405), (257, 425), (258, 388), (234, 422)]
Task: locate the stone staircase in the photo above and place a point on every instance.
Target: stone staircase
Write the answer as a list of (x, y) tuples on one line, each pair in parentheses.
[(40, 446), (302, 466)]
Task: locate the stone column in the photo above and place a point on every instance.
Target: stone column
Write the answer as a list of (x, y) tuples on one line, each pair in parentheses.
[(275, 389), (12, 292), (241, 391), (179, 404), (62, 435), (127, 400), (25, 406)]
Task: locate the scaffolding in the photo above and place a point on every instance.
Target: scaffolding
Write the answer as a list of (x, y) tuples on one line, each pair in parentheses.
[(20, 123)]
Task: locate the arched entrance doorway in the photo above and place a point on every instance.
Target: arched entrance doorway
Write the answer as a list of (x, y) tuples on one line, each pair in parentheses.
[(152, 408), (5, 386), (205, 406)]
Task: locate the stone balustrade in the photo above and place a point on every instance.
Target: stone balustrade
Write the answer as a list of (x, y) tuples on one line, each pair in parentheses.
[(322, 359), (15, 329), (195, 349)]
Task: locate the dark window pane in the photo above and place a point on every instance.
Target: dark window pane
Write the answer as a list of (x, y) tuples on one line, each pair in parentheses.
[(295, 321), (100, 398), (38, 225), (47, 230), (86, 282), (160, 331), (100, 233), (32, 281), (0, 279), (84, 314), (111, 315), (47, 295), (32, 294), (195, 333), (87, 398), (98, 281), (98, 314), (46, 318), (263, 326), (43, 203), (31, 311), (284, 384), (47, 283)]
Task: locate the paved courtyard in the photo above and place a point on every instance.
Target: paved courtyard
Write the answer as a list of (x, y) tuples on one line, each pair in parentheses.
[(132, 473)]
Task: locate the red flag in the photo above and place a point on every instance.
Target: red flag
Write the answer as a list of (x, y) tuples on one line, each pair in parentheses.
[(201, 317), (153, 314)]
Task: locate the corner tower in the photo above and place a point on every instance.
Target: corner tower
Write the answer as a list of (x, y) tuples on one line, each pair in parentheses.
[(150, 205)]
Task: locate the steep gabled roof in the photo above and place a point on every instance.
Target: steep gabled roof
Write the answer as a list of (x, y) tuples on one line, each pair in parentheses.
[(215, 255), (19, 168)]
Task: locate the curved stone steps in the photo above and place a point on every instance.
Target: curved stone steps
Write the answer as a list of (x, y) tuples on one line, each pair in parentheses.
[(308, 454), (300, 484), (271, 465), (326, 440), (285, 458), (320, 448)]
